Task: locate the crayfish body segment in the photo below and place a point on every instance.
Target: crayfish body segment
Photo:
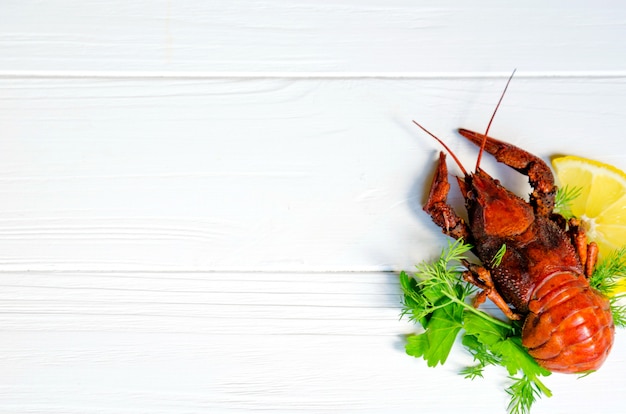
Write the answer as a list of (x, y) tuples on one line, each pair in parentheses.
[(542, 277)]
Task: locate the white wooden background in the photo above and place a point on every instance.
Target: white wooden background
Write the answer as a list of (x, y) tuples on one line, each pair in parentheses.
[(204, 205)]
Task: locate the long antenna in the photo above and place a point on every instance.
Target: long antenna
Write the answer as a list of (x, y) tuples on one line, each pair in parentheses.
[(482, 146), (444, 145)]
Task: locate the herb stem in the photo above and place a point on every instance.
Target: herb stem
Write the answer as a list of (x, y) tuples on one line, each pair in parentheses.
[(478, 312)]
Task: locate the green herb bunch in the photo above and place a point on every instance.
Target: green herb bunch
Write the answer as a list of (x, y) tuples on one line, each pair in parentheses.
[(437, 298)]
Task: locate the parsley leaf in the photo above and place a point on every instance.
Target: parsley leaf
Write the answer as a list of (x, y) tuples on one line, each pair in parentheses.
[(435, 343), (437, 298)]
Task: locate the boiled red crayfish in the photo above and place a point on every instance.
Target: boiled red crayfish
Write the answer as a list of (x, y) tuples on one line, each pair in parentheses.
[(542, 277)]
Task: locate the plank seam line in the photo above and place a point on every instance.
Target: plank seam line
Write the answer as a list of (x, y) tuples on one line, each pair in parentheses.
[(200, 271), (305, 75)]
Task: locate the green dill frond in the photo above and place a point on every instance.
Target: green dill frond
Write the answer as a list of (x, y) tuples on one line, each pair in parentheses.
[(481, 354), (618, 310), (563, 200), (473, 371), (497, 259), (455, 253), (524, 392), (607, 276), (609, 272), (565, 195), (585, 373)]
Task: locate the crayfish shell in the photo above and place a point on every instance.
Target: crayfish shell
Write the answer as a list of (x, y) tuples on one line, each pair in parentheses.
[(569, 327)]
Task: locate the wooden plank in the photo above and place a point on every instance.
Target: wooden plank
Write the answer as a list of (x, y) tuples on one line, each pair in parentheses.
[(260, 174), (324, 304), (169, 342), (205, 205), (310, 36)]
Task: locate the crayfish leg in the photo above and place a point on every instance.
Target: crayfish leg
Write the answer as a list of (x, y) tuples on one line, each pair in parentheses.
[(481, 278), (592, 258), (587, 252), (539, 174), (438, 208)]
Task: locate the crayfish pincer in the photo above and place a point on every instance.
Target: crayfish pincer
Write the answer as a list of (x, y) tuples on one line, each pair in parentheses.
[(542, 278)]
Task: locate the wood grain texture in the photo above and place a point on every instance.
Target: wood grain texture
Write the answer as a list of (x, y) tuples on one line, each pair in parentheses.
[(169, 342), (261, 174), (311, 36), (205, 205)]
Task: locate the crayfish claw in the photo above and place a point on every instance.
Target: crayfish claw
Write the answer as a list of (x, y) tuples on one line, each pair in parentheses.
[(539, 174), (437, 207)]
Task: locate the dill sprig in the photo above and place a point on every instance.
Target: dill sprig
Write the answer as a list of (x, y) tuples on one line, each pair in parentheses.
[(523, 392), (497, 258), (437, 298), (607, 276), (563, 200)]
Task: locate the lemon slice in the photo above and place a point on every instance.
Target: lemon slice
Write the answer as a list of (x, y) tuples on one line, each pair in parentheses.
[(601, 205), (602, 202)]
